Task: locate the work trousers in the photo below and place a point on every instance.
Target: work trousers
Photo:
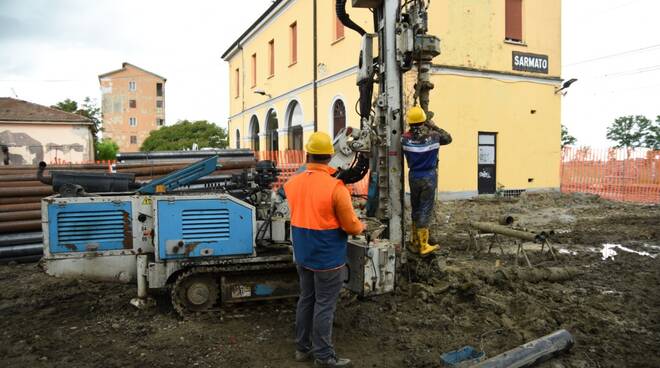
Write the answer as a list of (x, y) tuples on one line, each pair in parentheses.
[(422, 198), (317, 303)]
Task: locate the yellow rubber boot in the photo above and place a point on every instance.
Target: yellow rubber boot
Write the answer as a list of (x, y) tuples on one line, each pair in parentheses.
[(414, 245), (424, 246)]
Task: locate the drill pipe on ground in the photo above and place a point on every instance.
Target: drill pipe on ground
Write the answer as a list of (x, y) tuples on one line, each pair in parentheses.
[(20, 207), (503, 230), (33, 237), (22, 250), (20, 215), (532, 352), (18, 226)]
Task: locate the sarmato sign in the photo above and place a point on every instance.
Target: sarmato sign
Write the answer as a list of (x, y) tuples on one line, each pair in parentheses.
[(530, 62)]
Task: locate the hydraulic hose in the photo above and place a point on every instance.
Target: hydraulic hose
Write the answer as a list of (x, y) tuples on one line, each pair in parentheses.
[(340, 8)]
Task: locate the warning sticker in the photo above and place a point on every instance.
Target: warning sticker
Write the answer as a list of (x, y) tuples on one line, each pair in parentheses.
[(146, 201), (241, 291)]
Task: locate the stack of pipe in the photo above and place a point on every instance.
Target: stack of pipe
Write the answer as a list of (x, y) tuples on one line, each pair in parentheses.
[(21, 192), (22, 247)]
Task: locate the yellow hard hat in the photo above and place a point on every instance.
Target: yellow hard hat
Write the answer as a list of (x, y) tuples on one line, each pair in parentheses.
[(319, 143), (416, 115)]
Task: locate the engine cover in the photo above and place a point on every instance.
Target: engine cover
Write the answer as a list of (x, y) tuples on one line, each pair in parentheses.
[(193, 226)]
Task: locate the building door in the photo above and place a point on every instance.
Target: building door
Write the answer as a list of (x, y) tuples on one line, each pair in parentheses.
[(338, 117), (486, 180), (271, 131)]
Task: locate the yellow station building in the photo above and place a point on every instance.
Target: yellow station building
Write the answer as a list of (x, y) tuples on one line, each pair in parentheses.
[(293, 71)]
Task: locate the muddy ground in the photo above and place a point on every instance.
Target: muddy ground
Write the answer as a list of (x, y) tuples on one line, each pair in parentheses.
[(462, 297)]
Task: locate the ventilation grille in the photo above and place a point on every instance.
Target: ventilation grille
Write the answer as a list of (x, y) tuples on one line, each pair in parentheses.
[(90, 227), (205, 224), (512, 193)]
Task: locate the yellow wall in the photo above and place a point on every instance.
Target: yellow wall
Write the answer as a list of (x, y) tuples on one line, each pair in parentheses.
[(476, 88), (472, 33), (528, 144), (116, 110)]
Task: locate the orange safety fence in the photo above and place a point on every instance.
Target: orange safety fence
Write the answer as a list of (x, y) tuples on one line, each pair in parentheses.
[(60, 161), (620, 174), (290, 161)]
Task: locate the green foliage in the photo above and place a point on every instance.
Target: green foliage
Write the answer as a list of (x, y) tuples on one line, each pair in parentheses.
[(184, 134), (566, 139), (106, 149), (67, 105), (88, 109), (629, 131), (652, 137)]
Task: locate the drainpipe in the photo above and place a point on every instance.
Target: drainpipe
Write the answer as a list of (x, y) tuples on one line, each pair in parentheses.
[(316, 98)]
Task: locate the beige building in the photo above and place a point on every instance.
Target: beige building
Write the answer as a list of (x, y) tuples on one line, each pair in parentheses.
[(133, 105), (30, 133), (293, 71)]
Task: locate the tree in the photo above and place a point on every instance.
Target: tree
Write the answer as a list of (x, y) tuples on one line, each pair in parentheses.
[(88, 109), (652, 137), (67, 105), (106, 149), (566, 139), (184, 134), (629, 131)]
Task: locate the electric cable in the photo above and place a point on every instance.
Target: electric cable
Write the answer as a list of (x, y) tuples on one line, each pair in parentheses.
[(651, 47)]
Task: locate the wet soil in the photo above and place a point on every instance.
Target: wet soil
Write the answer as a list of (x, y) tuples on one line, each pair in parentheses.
[(461, 297)]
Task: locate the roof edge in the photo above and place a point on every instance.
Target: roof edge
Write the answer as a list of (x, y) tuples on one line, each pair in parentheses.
[(254, 25), (123, 67)]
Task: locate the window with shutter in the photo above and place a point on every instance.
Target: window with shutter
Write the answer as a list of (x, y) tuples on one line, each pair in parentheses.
[(513, 30)]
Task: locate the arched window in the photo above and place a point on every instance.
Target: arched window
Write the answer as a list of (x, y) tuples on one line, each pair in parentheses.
[(338, 117), (271, 131), (238, 139), (294, 123), (254, 133)]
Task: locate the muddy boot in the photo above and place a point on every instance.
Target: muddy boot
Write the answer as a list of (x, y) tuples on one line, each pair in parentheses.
[(424, 246), (413, 247)]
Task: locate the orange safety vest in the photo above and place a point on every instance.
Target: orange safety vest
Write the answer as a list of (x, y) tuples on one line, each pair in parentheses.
[(319, 243)]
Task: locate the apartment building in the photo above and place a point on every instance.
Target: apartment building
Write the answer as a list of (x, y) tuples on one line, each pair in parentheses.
[(133, 104), (293, 72)]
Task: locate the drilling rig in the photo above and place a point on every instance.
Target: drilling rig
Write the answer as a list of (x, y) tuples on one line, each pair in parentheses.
[(229, 241)]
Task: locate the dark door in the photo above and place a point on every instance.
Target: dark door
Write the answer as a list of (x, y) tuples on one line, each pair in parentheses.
[(486, 180)]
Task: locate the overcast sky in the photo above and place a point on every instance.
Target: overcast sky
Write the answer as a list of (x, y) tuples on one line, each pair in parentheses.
[(52, 50)]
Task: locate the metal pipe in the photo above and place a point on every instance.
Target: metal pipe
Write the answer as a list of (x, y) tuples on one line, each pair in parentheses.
[(33, 237), (18, 226), (532, 352), (29, 191), (23, 259), (22, 183), (506, 220), (20, 207), (20, 215), (142, 276), (226, 153), (17, 177), (20, 200), (242, 163), (21, 250), (499, 229)]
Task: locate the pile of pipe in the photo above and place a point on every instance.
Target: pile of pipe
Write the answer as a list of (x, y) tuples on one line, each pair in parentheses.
[(21, 190), (21, 247)]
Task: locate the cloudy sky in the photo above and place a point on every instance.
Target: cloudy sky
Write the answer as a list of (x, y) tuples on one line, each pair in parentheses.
[(52, 50)]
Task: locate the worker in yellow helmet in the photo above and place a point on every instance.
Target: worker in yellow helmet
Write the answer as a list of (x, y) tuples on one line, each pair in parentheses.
[(421, 144), (322, 217)]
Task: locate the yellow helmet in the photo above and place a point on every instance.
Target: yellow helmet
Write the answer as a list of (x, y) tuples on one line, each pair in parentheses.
[(319, 143), (416, 115)]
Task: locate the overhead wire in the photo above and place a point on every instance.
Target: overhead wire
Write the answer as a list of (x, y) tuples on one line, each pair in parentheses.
[(647, 48)]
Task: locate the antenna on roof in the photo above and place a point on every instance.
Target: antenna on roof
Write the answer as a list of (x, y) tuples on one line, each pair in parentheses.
[(14, 92)]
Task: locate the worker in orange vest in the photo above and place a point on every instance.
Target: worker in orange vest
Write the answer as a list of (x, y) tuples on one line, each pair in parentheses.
[(322, 217)]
